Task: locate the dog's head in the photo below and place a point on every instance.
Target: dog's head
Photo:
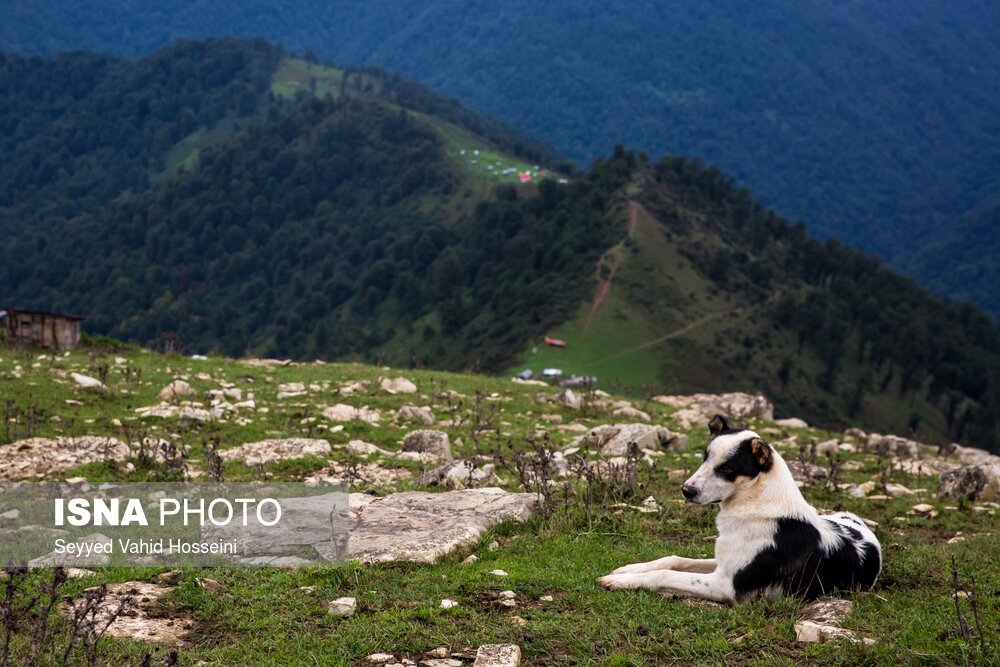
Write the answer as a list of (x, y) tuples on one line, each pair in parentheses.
[(733, 460)]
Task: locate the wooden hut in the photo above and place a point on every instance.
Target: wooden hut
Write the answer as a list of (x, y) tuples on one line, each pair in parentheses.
[(35, 327)]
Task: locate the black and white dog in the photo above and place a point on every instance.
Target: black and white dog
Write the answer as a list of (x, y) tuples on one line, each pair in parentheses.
[(771, 541)]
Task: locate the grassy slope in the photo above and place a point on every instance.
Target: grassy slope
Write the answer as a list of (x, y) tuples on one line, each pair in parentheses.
[(265, 619), (663, 326)]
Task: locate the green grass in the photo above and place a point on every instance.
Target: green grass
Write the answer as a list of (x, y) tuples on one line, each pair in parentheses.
[(264, 618), (294, 76)]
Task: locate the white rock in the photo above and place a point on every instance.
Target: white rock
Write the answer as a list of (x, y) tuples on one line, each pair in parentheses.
[(346, 413), (569, 399), (628, 412), (418, 415), (448, 604), (791, 422), (498, 655), (177, 390), (362, 448), (499, 573), (265, 451), (342, 607), (398, 385), (86, 382), (976, 482), (435, 444), (380, 658), (418, 526)]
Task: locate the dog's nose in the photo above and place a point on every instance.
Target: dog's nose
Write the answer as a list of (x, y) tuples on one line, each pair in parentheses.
[(689, 492)]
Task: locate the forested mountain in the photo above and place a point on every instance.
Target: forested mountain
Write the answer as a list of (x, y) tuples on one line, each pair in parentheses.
[(874, 122), (312, 212)]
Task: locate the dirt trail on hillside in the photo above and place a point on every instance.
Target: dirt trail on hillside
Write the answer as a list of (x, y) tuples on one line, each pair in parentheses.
[(656, 341), (604, 285)]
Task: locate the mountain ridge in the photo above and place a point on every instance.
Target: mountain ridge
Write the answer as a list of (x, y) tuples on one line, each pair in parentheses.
[(354, 227), (875, 123)]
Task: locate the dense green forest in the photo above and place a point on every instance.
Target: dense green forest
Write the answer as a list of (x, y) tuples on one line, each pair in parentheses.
[(874, 122), (347, 227), (869, 330)]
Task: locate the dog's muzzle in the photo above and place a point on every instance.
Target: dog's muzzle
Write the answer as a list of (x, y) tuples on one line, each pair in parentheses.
[(690, 493)]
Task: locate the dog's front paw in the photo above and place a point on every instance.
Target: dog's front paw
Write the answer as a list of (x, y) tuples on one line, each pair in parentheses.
[(634, 568), (613, 582)]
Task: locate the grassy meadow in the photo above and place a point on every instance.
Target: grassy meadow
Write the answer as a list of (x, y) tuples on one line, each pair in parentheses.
[(278, 616)]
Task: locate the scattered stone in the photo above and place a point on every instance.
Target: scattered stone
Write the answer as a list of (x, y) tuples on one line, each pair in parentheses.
[(545, 598), (923, 508), (499, 573), (812, 632), (10, 515), (380, 658), (441, 652), (974, 482), (828, 447), (791, 422), (291, 390), (178, 390), (459, 475), (418, 526), (736, 404), (43, 457), (86, 382), (347, 413), (518, 622), (897, 490), (398, 385), (417, 415), (498, 655), (434, 444), (448, 604), (855, 491), (568, 398), (828, 611), (362, 448), (805, 472), (629, 412), (893, 445), (925, 466), (552, 419), (265, 451), (143, 618), (973, 455), (441, 662), (342, 607), (472, 558), (614, 439), (510, 595)]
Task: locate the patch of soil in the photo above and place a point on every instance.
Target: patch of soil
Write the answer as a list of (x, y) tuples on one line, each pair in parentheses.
[(148, 618)]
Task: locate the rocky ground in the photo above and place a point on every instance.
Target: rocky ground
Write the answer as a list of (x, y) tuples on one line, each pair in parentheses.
[(482, 510)]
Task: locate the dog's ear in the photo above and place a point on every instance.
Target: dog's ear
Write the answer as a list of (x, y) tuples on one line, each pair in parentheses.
[(762, 455), (718, 425)]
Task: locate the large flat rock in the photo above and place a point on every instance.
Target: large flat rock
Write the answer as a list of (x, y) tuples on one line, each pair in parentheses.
[(41, 457), (265, 451), (418, 526)]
